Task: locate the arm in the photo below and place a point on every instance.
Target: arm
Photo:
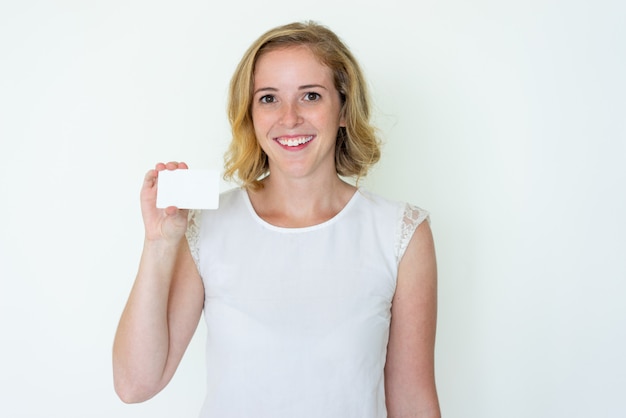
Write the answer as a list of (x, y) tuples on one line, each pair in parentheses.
[(409, 372), (164, 306)]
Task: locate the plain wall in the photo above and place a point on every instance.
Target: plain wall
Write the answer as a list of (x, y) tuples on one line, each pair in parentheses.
[(505, 119)]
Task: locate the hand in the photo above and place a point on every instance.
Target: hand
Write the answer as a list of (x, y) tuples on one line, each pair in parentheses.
[(170, 223)]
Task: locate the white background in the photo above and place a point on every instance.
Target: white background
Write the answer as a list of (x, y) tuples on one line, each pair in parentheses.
[(505, 119)]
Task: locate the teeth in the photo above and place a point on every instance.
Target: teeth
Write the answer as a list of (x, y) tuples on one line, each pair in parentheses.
[(294, 142)]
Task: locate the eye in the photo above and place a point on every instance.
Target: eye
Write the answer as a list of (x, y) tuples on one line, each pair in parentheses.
[(312, 96), (268, 98)]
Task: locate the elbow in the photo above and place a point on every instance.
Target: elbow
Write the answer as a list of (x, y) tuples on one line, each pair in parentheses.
[(129, 397), (130, 391), (132, 384)]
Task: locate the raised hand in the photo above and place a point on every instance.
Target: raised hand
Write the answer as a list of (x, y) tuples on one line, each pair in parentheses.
[(167, 224), (165, 303)]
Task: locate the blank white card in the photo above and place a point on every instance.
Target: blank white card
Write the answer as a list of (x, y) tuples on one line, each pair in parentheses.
[(188, 189)]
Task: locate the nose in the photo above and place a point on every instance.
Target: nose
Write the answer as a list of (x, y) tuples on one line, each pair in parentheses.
[(290, 116)]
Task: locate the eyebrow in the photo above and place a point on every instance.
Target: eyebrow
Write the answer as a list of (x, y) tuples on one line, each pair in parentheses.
[(304, 87), (311, 86)]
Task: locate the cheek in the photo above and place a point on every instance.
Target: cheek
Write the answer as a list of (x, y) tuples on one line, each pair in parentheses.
[(258, 123), (262, 134)]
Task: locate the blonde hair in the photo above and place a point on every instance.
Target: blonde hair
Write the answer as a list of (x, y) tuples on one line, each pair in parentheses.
[(357, 147)]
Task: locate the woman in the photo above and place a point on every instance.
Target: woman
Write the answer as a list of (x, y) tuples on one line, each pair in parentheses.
[(319, 297)]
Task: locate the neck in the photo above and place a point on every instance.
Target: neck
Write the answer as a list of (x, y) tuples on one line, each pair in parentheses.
[(300, 202)]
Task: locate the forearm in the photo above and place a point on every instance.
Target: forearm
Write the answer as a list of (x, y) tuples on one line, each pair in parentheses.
[(141, 346)]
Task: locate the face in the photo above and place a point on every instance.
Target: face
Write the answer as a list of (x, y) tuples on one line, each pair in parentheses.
[(296, 111)]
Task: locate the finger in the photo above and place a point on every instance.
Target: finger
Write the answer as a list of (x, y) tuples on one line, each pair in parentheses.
[(150, 178), (172, 165)]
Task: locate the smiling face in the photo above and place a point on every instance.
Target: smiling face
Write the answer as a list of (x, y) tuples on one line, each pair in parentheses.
[(296, 111)]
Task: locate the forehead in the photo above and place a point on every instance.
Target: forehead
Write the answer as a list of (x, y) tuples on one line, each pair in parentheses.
[(289, 62)]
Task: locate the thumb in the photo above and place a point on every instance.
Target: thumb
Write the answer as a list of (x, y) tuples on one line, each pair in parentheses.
[(174, 222), (171, 211)]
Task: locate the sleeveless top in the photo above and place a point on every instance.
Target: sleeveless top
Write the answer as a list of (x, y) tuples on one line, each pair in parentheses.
[(298, 318)]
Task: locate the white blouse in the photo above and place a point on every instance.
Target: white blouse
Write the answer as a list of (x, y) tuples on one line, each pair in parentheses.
[(298, 318)]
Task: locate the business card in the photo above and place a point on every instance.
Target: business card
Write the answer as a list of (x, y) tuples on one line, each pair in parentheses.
[(188, 188)]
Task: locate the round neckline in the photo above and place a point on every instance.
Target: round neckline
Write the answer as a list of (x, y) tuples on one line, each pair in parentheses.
[(258, 219)]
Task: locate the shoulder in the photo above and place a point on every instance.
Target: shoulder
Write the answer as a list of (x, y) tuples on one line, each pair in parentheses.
[(231, 197), (406, 217), (406, 211), (203, 223), (377, 200), (229, 200)]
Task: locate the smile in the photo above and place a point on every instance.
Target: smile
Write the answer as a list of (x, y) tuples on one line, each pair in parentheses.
[(294, 142)]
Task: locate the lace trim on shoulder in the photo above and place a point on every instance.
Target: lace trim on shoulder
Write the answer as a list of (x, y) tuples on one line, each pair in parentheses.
[(411, 218), (193, 235)]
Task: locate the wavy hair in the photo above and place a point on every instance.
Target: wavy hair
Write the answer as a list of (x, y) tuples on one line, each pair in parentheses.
[(357, 147)]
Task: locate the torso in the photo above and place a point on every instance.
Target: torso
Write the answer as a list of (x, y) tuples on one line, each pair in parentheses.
[(297, 317)]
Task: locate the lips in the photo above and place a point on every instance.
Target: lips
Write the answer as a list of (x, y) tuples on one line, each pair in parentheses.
[(294, 141)]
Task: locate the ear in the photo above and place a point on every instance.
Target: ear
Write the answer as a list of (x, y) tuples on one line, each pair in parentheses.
[(342, 117)]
